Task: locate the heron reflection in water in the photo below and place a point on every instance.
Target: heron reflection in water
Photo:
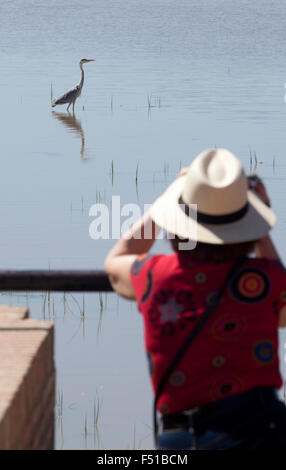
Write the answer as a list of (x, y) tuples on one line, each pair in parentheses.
[(71, 122), (71, 95)]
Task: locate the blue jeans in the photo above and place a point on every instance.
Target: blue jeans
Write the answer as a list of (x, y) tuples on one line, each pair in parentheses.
[(251, 420)]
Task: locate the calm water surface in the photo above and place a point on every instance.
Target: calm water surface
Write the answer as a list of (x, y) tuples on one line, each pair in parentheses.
[(170, 79)]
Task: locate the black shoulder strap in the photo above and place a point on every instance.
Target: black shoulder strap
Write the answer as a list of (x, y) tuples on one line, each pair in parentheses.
[(189, 341)]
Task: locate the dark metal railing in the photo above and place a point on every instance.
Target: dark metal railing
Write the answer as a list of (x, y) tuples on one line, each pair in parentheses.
[(76, 281)]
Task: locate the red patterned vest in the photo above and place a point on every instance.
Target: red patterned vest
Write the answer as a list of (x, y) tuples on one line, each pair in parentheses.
[(237, 348)]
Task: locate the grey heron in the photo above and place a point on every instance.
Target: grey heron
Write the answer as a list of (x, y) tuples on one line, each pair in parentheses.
[(71, 95)]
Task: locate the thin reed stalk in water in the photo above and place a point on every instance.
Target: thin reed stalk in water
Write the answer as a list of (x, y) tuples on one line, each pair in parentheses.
[(83, 306), (44, 306), (255, 160), (49, 304), (149, 101), (60, 405), (96, 412), (100, 313), (112, 173), (85, 430), (250, 159), (64, 302), (136, 174)]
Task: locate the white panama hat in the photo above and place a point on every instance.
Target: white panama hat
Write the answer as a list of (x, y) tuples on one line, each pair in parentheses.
[(227, 211)]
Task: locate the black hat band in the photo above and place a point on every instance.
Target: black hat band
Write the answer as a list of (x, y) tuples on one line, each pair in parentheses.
[(214, 219)]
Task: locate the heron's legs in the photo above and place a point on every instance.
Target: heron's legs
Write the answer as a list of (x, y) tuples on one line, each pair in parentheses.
[(68, 106)]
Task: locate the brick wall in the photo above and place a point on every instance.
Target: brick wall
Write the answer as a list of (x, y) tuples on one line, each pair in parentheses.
[(27, 381)]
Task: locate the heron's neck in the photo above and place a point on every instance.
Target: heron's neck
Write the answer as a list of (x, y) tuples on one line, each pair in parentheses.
[(82, 76)]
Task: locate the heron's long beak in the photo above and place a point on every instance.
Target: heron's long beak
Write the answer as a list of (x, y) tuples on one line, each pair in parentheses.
[(90, 60)]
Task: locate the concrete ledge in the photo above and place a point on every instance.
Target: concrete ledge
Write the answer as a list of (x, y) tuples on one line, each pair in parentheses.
[(27, 381)]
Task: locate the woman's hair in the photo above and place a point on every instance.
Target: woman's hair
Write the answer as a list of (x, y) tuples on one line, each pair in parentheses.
[(207, 252)]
